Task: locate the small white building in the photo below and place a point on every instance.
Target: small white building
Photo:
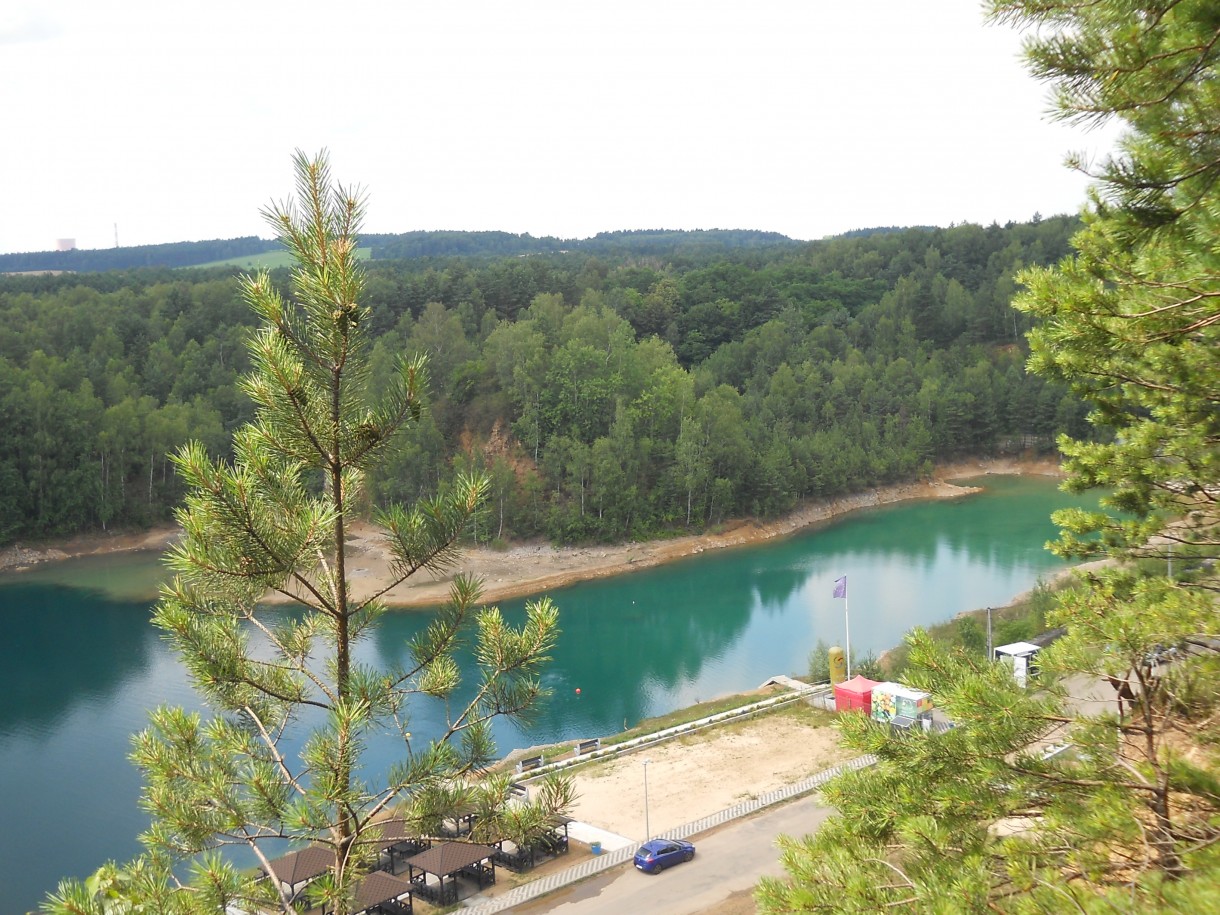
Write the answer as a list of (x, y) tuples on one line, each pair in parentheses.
[(1020, 657)]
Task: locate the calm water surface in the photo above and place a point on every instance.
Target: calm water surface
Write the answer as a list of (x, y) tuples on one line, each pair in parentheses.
[(80, 665)]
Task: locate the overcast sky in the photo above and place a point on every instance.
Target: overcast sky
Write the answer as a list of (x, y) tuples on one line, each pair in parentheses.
[(177, 121)]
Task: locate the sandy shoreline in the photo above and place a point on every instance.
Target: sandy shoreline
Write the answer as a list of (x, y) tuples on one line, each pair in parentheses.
[(535, 568)]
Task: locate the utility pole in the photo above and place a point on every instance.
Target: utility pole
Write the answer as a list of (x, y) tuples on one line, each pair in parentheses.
[(647, 825)]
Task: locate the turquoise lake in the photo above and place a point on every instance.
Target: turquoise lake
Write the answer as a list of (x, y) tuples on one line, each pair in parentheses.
[(80, 665)]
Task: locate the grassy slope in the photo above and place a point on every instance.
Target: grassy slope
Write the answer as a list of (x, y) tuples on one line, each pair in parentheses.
[(268, 260)]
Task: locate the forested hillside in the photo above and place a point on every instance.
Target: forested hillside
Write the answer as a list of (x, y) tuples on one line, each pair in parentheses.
[(608, 393), (396, 247)]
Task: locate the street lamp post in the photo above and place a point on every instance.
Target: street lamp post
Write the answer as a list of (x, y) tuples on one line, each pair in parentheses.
[(647, 825), (989, 649)]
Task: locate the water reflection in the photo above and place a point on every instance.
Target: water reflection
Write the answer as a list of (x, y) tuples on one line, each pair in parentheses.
[(78, 673), (66, 650), (775, 588)]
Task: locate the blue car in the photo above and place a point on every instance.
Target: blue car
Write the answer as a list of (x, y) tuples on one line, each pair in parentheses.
[(657, 854)]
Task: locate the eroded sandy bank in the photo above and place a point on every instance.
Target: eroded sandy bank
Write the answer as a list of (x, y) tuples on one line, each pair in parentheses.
[(534, 568)]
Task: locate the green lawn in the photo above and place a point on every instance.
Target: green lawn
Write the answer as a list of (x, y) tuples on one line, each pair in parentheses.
[(268, 260)]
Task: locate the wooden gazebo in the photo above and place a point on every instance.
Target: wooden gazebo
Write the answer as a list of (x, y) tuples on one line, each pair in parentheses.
[(446, 861), (395, 840), (293, 871), (380, 893)]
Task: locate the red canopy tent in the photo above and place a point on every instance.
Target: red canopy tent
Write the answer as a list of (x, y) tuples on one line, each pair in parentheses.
[(855, 695)]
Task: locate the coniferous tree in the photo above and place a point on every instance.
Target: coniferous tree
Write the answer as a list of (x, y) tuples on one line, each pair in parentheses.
[(988, 817), (1131, 322), (277, 519)]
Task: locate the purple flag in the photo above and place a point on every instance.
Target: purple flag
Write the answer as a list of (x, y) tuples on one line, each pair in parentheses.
[(841, 587)]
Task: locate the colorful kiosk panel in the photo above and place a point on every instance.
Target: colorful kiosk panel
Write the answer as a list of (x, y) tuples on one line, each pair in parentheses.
[(893, 700)]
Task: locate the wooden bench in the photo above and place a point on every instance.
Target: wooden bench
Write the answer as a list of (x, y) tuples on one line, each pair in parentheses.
[(522, 859), (554, 844), (588, 746), (483, 874), (433, 893)]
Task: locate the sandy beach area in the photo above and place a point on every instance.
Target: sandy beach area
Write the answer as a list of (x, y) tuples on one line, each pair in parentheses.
[(534, 568), (694, 777)]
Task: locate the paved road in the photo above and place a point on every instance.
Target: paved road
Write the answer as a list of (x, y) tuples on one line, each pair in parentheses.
[(729, 860)]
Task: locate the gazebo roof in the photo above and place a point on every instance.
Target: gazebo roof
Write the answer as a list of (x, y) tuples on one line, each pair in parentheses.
[(392, 831), (450, 857), (299, 866), (378, 887)]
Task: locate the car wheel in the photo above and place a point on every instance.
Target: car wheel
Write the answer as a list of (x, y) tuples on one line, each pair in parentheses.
[(688, 856), (660, 867)]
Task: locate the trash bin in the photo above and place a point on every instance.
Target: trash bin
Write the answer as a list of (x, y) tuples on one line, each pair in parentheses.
[(595, 847)]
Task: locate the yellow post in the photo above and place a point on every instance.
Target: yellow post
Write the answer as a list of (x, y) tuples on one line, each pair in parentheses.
[(838, 665)]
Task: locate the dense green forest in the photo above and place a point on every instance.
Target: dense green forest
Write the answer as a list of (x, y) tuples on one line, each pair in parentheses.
[(647, 383)]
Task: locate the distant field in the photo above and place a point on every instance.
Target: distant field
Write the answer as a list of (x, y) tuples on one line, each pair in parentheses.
[(268, 259)]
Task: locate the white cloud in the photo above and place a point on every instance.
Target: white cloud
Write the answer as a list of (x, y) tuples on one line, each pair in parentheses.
[(23, 25), (178, 121)]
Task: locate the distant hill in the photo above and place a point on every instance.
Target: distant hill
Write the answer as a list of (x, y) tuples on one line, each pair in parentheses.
[(408, 245), (504, 244), (881, 230), (99, 260)]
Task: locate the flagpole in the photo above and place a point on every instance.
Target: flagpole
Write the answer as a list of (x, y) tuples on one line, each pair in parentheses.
[(841, 591), (847, 631)]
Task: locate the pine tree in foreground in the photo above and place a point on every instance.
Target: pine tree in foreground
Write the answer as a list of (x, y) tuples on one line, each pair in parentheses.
[(293, 706), (1127, 819)]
